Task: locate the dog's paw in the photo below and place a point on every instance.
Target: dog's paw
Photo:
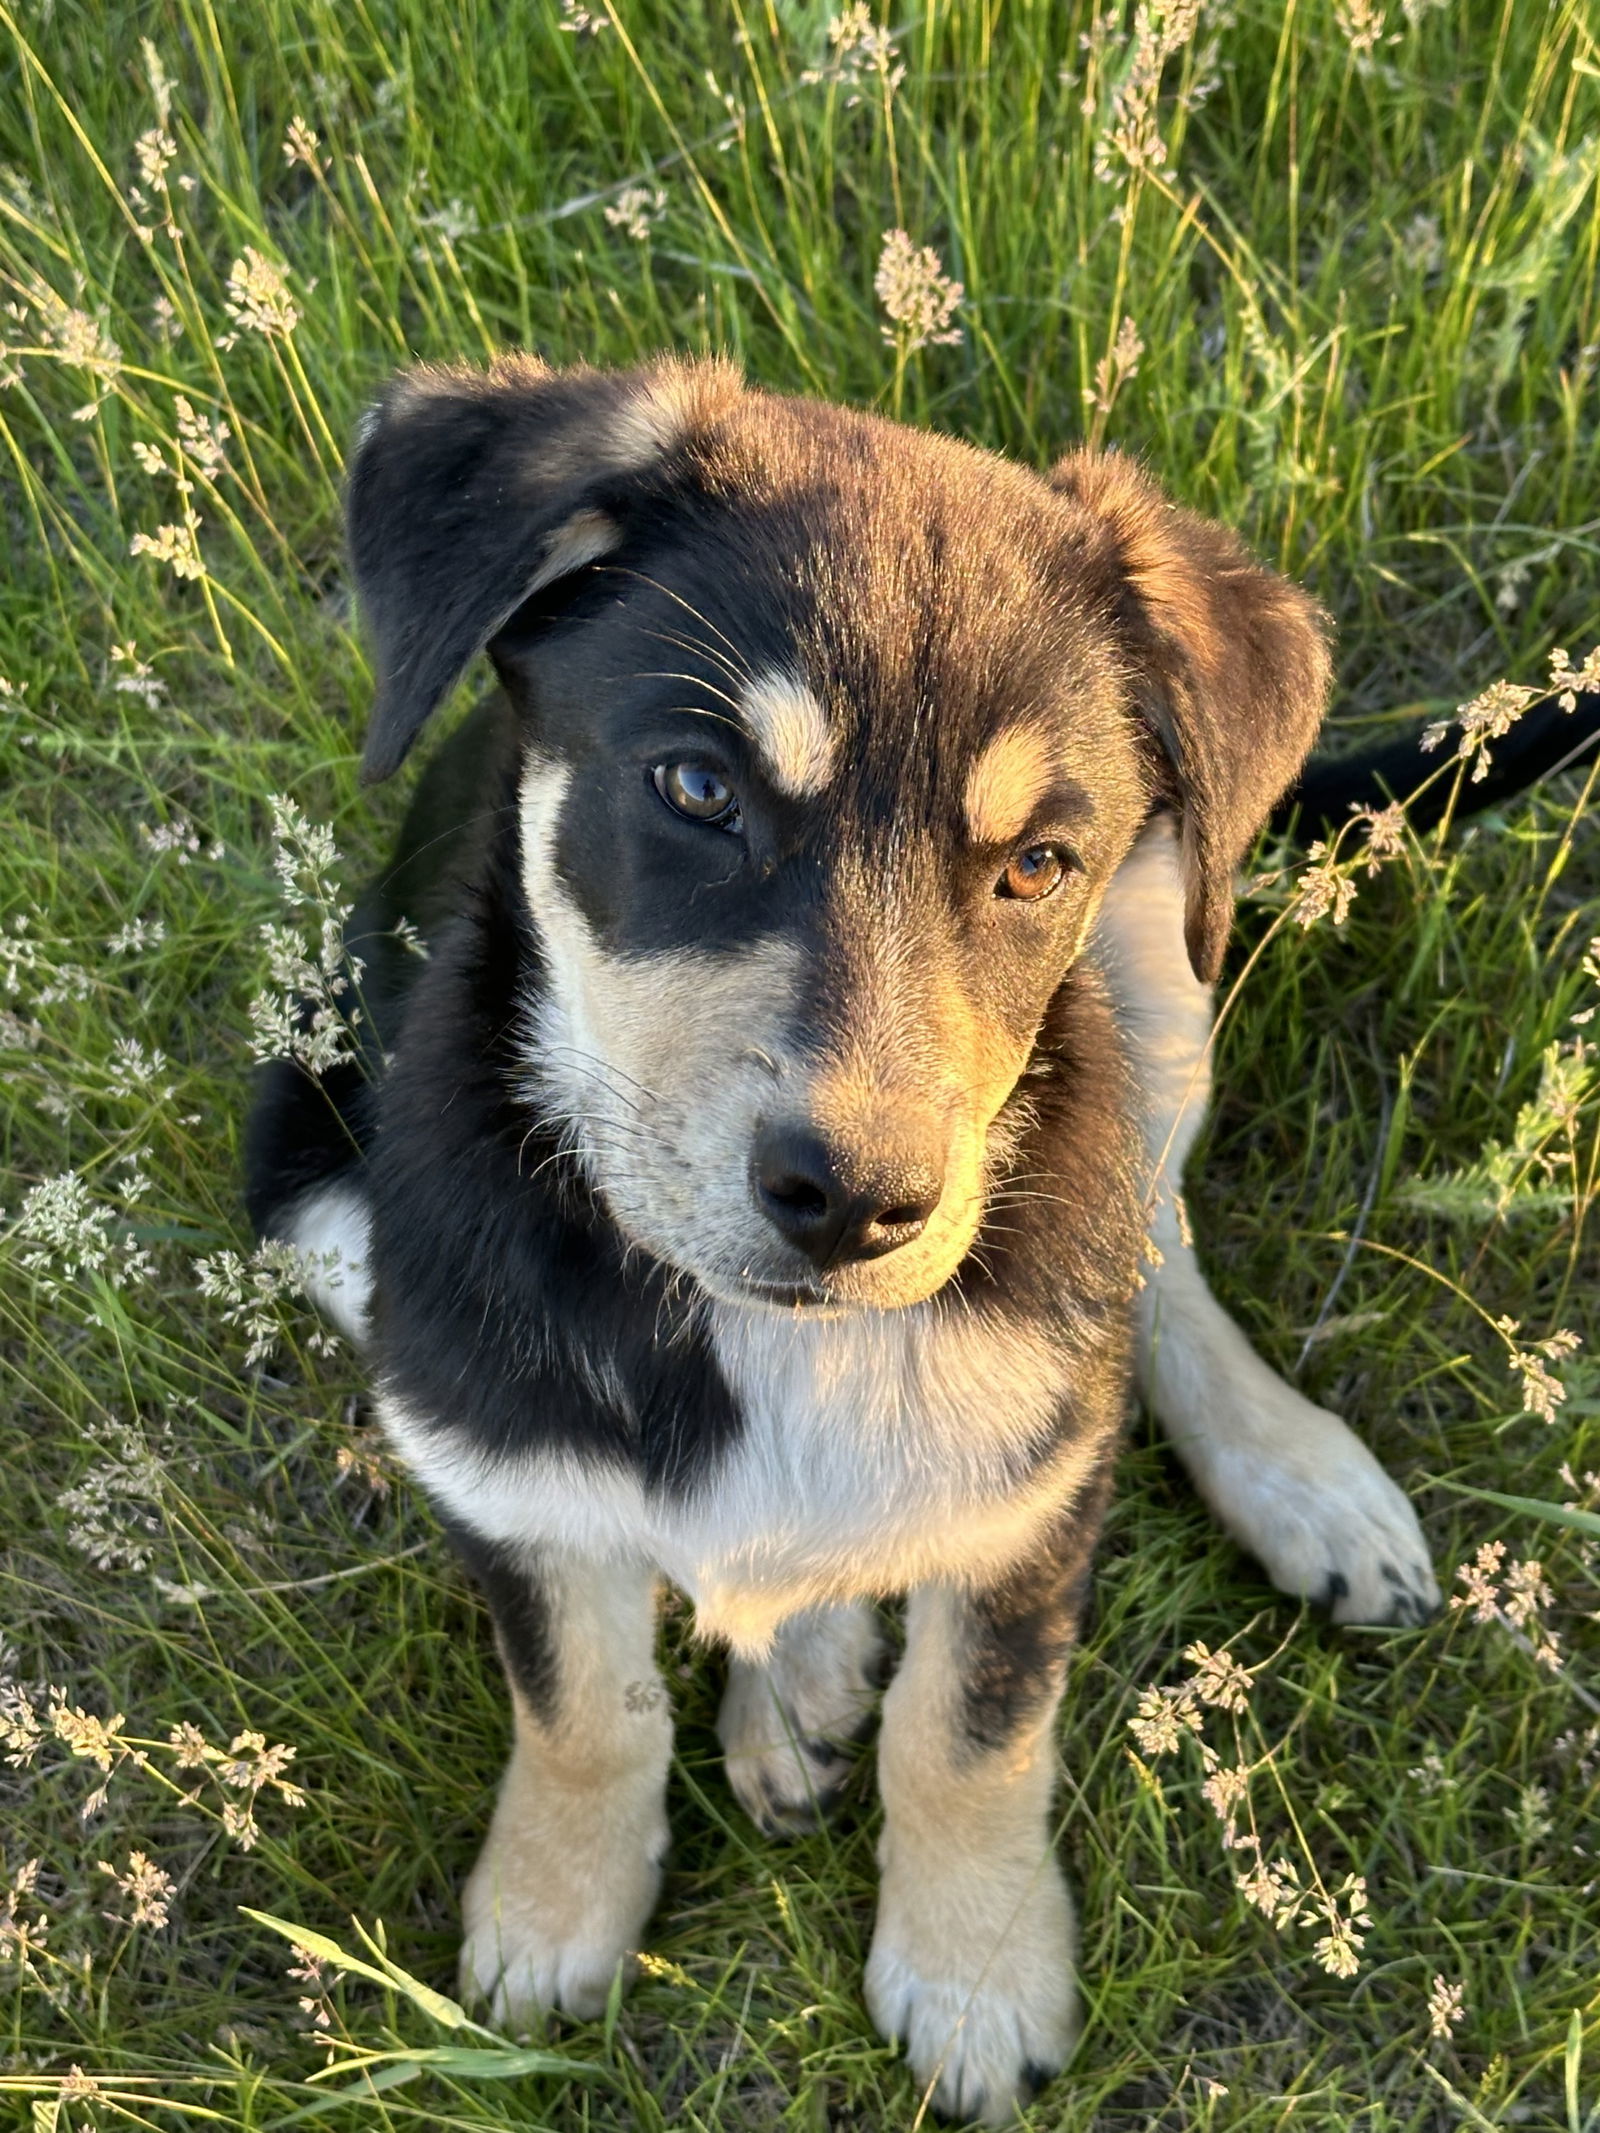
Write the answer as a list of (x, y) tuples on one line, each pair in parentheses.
[(520, 1973), (1324, 1520), (543, 1932), (789, 1727), (986, 2018)]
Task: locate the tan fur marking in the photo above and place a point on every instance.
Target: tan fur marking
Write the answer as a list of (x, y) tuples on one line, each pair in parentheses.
[(675, 399), (670, 400), (798, 746), (642, 431), (911, 1049), (1006, 783)]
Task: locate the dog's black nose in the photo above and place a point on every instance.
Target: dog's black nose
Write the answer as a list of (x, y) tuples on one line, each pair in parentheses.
[(836, 1204)]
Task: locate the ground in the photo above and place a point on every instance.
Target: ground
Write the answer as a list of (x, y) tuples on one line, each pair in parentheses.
[(1332, 270)]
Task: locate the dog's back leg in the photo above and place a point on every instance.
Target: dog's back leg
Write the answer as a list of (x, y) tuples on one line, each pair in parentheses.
[(1289, 1480), (787, 1725), (570, 1870)]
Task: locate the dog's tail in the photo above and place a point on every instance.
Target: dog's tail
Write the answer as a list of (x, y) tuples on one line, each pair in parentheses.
[(1544, 740)]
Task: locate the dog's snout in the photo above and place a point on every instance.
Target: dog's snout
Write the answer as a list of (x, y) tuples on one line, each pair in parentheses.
[(837, 1203)]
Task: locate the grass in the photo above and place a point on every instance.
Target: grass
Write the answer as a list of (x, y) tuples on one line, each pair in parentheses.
[(1367, 285)]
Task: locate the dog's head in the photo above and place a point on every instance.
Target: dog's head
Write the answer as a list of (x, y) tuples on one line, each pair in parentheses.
[(833, 733)]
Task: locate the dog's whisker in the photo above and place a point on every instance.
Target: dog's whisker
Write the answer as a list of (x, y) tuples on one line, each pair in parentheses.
[(605, 1070), (487, 815), (689, 609), (696, 649), (691, 710), (561, 1124)]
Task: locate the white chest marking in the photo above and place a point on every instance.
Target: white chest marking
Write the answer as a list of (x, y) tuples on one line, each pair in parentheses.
[(874, 1456)]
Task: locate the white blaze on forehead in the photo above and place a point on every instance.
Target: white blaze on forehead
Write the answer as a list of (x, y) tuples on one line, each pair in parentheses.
[(1007, 782), (797, 744)]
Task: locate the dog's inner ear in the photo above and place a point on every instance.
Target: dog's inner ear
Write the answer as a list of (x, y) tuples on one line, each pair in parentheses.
[(1230, 665), (472, 492), (584, 538)]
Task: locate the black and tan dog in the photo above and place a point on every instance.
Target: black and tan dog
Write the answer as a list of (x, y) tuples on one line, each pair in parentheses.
[(822, 926)]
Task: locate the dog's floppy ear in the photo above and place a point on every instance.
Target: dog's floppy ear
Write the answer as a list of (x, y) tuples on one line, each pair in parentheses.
[(1230, 661), (472, 490)]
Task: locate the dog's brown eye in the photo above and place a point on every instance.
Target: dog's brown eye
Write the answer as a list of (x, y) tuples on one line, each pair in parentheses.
[(702, 795), (1035, 873)]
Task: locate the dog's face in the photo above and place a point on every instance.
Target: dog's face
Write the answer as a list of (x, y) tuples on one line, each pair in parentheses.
[(833, 734), (821, 789)]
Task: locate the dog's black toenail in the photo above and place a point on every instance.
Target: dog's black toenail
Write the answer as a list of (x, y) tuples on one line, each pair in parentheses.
[(1391, 1576), (801, 1820), (1337, 1588), (1035, 2077), (780, 1817)]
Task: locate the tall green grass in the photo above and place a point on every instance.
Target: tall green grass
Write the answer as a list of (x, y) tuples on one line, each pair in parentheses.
[(1367, 288)]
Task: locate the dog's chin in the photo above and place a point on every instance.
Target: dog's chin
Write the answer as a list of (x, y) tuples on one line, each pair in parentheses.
[(843, 1292), (791, 1299)]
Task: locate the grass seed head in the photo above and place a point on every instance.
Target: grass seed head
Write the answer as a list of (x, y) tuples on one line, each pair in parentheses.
[(919, 297)]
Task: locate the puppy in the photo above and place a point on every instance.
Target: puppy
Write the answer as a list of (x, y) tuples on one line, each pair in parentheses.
[(751, 1188)]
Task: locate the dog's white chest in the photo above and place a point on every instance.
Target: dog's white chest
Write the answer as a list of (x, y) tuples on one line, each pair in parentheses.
[(875, 1455)]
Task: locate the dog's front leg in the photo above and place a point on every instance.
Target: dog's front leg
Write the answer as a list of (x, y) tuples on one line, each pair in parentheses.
[(1291, 1482), (972, 1958), (570, 1871)]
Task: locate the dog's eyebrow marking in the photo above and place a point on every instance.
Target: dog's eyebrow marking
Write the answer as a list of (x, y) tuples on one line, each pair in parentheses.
[(1007, 782), (791, 731)]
